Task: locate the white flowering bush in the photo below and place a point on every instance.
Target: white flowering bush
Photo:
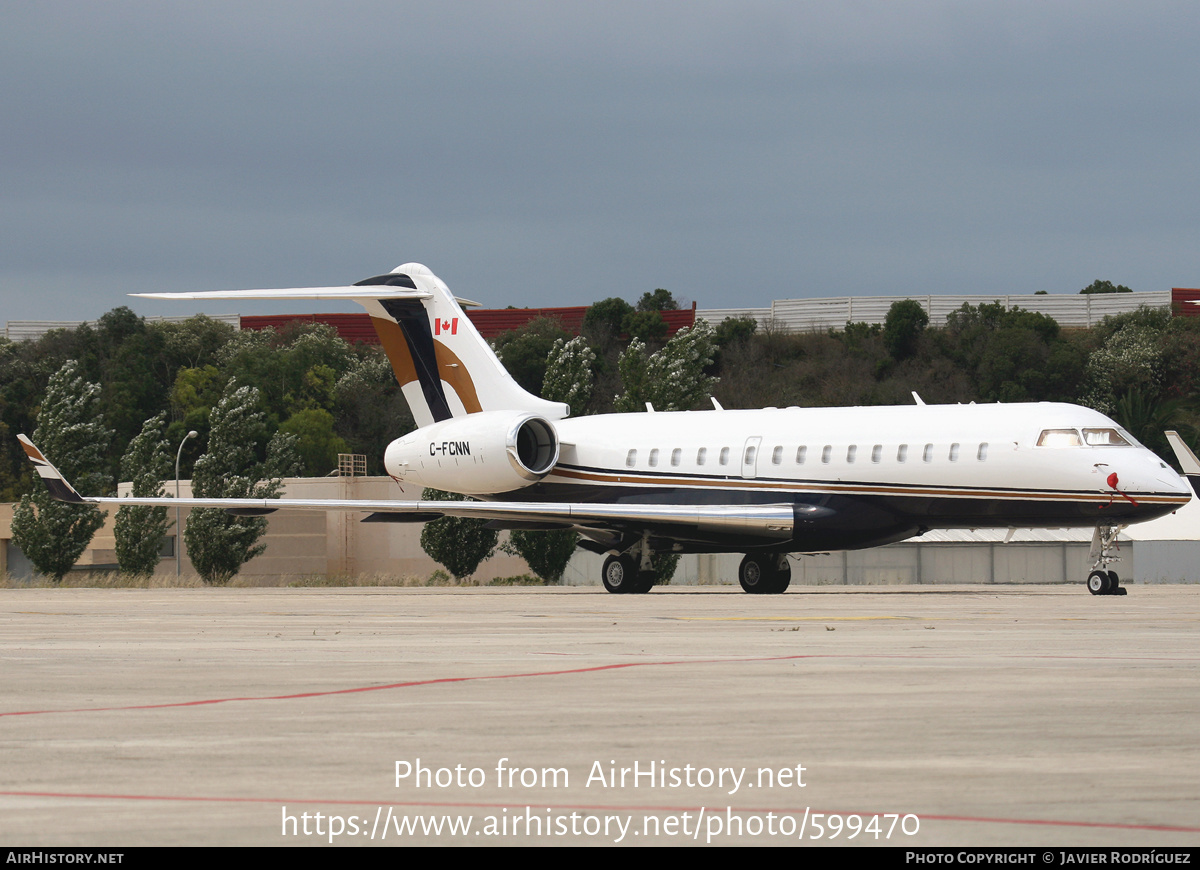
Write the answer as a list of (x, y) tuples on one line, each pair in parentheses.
[(569, 377), (672, 379)]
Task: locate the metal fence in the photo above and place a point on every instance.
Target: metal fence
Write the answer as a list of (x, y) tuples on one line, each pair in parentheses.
[(31, 330), (806, 315)]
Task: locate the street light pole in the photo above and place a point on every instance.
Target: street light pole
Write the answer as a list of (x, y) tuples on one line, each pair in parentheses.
[(178, 528)]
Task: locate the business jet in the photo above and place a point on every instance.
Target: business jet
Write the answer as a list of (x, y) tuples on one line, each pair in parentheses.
[(767, 483)]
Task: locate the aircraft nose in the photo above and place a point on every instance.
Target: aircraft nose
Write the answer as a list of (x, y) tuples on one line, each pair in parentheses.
[(1165, 479), (1151, 476), (1176, 484)]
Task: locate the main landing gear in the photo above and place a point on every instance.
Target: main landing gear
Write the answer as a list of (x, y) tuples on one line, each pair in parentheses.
[(1102, 581), (623, 574), (765, 573)]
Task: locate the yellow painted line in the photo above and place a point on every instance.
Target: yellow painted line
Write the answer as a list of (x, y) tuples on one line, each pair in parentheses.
[(789, 618)]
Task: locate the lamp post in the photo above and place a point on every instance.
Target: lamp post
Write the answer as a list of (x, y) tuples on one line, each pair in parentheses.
[(178, 527)]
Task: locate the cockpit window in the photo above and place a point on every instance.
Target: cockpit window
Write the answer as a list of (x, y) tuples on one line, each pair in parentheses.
[(1059, 438), (1104, 438)]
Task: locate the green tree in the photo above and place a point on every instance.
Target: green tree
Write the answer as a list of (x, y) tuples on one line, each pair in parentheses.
[(569, 377), (664, 567), (602, 321), (645, 325), (219, 544), (1147, 420), (369, 407), (1011, 355), (1099, 286), (659, 300), (140, 529), (734, 330), (195, 342), (545, 552), (316, 443), (902, 328), (525, 352), (194, 393), (72, 434), (460, 544)]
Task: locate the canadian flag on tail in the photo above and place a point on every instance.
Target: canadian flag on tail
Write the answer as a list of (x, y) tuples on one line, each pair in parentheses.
[(450, 326)]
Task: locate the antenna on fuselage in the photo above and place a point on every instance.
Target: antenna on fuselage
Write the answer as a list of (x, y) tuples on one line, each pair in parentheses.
[(917, 398)]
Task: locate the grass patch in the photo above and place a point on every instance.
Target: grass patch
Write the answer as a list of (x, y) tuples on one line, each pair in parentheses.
[(517, 580)]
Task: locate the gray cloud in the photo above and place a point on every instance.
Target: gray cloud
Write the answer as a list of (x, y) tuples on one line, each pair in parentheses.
[(548, 153)]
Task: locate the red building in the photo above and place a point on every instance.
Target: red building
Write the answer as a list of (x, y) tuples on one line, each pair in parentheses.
[(490, 322), (1182, 299)]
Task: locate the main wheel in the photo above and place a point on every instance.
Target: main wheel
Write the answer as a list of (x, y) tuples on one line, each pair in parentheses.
[(644, 582), (619, 574), (1116, 588), (783, 577), (753, 574), (1099, 583)]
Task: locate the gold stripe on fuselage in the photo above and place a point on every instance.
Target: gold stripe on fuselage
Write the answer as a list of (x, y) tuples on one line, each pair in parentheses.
[(845, 488)]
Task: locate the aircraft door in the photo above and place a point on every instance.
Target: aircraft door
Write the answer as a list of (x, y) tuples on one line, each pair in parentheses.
[(750, 457)]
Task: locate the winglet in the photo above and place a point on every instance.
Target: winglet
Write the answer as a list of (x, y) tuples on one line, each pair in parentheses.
[(1188, 463), (1187, 459), (58, 485)]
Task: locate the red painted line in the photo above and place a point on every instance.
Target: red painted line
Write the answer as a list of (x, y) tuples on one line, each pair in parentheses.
[(405, 685), (1064, 823), (593, 669)]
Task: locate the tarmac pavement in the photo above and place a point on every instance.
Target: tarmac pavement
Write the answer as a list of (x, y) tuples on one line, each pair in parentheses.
[(915, 716)]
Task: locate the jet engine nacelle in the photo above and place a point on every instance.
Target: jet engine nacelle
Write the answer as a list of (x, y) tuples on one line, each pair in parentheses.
[(488, 452)]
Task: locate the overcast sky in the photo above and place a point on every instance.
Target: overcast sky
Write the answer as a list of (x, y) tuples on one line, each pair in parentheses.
[(557, 153)]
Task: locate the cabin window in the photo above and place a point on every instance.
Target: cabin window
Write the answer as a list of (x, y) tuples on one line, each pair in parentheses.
[(724, 458), (982, 454), (1104, 438), (801, 453), (1059, 438), (877, 453), (927, 455), (701, 455), (676, 456), (954, 452), (631, 458), (851, 452), (748, 456), (902, 453), (777, 455), (826, 454), (654, 457)]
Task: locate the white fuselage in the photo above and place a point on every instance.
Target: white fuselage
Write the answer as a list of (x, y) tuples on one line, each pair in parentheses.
[(944, 454)]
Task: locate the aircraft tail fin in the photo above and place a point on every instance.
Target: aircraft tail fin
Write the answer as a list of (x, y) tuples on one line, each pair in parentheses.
[(442, 363)]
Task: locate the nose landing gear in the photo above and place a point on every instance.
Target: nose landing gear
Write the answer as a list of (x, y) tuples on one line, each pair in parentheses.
[(1102, 581)]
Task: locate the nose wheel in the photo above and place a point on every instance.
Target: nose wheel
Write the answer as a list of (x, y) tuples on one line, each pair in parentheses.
[(1102, 581)]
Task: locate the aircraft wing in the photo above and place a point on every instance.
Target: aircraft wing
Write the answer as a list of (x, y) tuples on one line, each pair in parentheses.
[(771, 522)]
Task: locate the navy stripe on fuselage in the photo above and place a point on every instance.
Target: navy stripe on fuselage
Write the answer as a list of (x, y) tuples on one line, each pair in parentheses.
[(928, 505)]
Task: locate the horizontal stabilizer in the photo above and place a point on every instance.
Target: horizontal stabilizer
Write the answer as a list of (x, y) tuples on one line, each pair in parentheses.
[(349, 293)]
